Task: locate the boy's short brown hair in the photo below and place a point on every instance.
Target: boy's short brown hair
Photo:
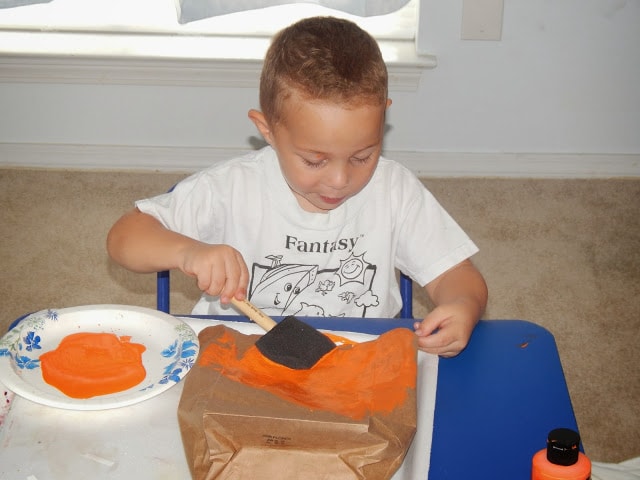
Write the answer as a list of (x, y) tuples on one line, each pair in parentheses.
[(322, 58)]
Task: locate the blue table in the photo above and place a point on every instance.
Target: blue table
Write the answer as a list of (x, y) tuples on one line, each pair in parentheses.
[(495, 402)]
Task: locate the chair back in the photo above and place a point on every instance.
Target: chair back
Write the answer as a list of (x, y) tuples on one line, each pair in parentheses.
[(163, 293)]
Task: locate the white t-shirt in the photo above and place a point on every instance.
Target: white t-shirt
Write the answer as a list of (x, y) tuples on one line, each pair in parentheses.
[(339, 263)]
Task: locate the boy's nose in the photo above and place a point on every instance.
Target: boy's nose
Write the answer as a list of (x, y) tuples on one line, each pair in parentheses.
[(338, 175)]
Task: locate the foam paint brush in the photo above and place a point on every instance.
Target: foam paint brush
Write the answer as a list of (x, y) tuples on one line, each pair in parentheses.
[(290, 342)]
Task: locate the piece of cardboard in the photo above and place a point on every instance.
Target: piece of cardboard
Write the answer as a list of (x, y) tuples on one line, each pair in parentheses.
[(231, 430)]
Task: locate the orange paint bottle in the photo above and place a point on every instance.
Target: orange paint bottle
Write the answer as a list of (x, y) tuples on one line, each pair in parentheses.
[(562, 459)]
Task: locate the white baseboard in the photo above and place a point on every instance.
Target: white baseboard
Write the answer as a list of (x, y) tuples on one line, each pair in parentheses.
[(425, 164), (521, 165)]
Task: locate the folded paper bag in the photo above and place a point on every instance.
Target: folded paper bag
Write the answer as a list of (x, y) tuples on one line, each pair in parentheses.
[(233, 429)]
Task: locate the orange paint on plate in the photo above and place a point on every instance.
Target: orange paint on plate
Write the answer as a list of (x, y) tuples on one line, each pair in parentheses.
[(86, 365), (354, 380)]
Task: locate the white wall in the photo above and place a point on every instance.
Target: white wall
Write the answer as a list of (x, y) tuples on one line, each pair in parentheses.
[(557, 96), (564, 78)]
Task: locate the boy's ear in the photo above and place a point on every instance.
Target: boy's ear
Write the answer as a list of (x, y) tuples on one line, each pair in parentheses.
[(261, 124)]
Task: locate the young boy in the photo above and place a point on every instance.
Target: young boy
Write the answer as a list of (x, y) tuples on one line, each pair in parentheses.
[(316, 223)]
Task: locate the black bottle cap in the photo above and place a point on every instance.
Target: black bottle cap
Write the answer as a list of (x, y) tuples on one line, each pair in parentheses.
[(562, 446)]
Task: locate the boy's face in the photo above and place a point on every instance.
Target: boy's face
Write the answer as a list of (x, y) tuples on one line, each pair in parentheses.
[(327, 152)]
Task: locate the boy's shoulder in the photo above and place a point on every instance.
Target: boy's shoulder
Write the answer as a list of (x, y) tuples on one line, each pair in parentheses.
[(249, 169), (391, 165), (255, 159), (394, 172)]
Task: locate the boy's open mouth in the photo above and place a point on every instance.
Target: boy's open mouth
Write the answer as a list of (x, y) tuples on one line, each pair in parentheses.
[(331, 200)]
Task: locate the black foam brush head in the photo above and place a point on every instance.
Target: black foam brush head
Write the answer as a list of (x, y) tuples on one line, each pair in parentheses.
[(294, 344)]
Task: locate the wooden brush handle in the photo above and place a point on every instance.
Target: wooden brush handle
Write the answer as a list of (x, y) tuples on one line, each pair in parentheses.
[(254, 313)]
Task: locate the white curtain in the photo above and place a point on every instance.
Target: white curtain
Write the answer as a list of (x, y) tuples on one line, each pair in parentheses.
[(20, 3), (191, 10)]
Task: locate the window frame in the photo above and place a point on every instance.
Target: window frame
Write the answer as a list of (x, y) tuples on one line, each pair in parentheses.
[(158, 18), (124, 57)]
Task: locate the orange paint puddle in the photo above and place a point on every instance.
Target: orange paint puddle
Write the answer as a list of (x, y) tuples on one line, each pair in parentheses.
[(86, 365), (352, 380)]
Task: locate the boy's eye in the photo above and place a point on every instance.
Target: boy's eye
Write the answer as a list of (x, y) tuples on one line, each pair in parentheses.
[(312, 163), (361, 159), (319, 162)]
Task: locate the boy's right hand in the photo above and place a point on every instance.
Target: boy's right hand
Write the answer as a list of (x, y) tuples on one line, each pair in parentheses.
[(219, 270), (139, 242)]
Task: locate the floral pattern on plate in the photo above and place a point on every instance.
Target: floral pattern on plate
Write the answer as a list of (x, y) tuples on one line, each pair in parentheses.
[(172, 349)]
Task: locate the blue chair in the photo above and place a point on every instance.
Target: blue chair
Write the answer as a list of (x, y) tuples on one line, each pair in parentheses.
[(406, 293), (164, 289)]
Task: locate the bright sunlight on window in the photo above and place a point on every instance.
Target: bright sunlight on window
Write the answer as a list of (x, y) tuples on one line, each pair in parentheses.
[(145, 42), (159, 17)]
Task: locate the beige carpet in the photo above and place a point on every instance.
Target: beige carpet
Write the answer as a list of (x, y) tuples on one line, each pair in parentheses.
[(562, 253)]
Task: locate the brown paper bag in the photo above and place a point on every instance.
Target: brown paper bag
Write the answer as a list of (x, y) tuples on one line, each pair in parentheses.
[(232, 430)]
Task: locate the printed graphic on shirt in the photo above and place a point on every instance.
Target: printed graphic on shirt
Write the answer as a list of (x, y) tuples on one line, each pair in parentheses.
[(306, 290)]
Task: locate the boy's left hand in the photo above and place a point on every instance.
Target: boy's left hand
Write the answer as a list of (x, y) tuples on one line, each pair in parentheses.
[(460, 296), (446, 330)]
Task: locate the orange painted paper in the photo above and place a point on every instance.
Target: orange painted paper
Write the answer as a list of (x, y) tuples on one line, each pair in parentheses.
[(85, 365), (354, 379)]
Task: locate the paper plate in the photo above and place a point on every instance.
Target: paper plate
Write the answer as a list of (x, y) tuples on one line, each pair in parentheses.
[(171, 350)]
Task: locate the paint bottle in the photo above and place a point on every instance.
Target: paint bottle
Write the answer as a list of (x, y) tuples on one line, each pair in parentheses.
[(562, 459)]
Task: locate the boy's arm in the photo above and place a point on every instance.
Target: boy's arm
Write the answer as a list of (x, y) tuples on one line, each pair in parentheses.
[(140, 243), (460, 296)]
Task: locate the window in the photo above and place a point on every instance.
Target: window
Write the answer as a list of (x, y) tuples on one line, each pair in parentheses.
[(158, 17), (149, 30)]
